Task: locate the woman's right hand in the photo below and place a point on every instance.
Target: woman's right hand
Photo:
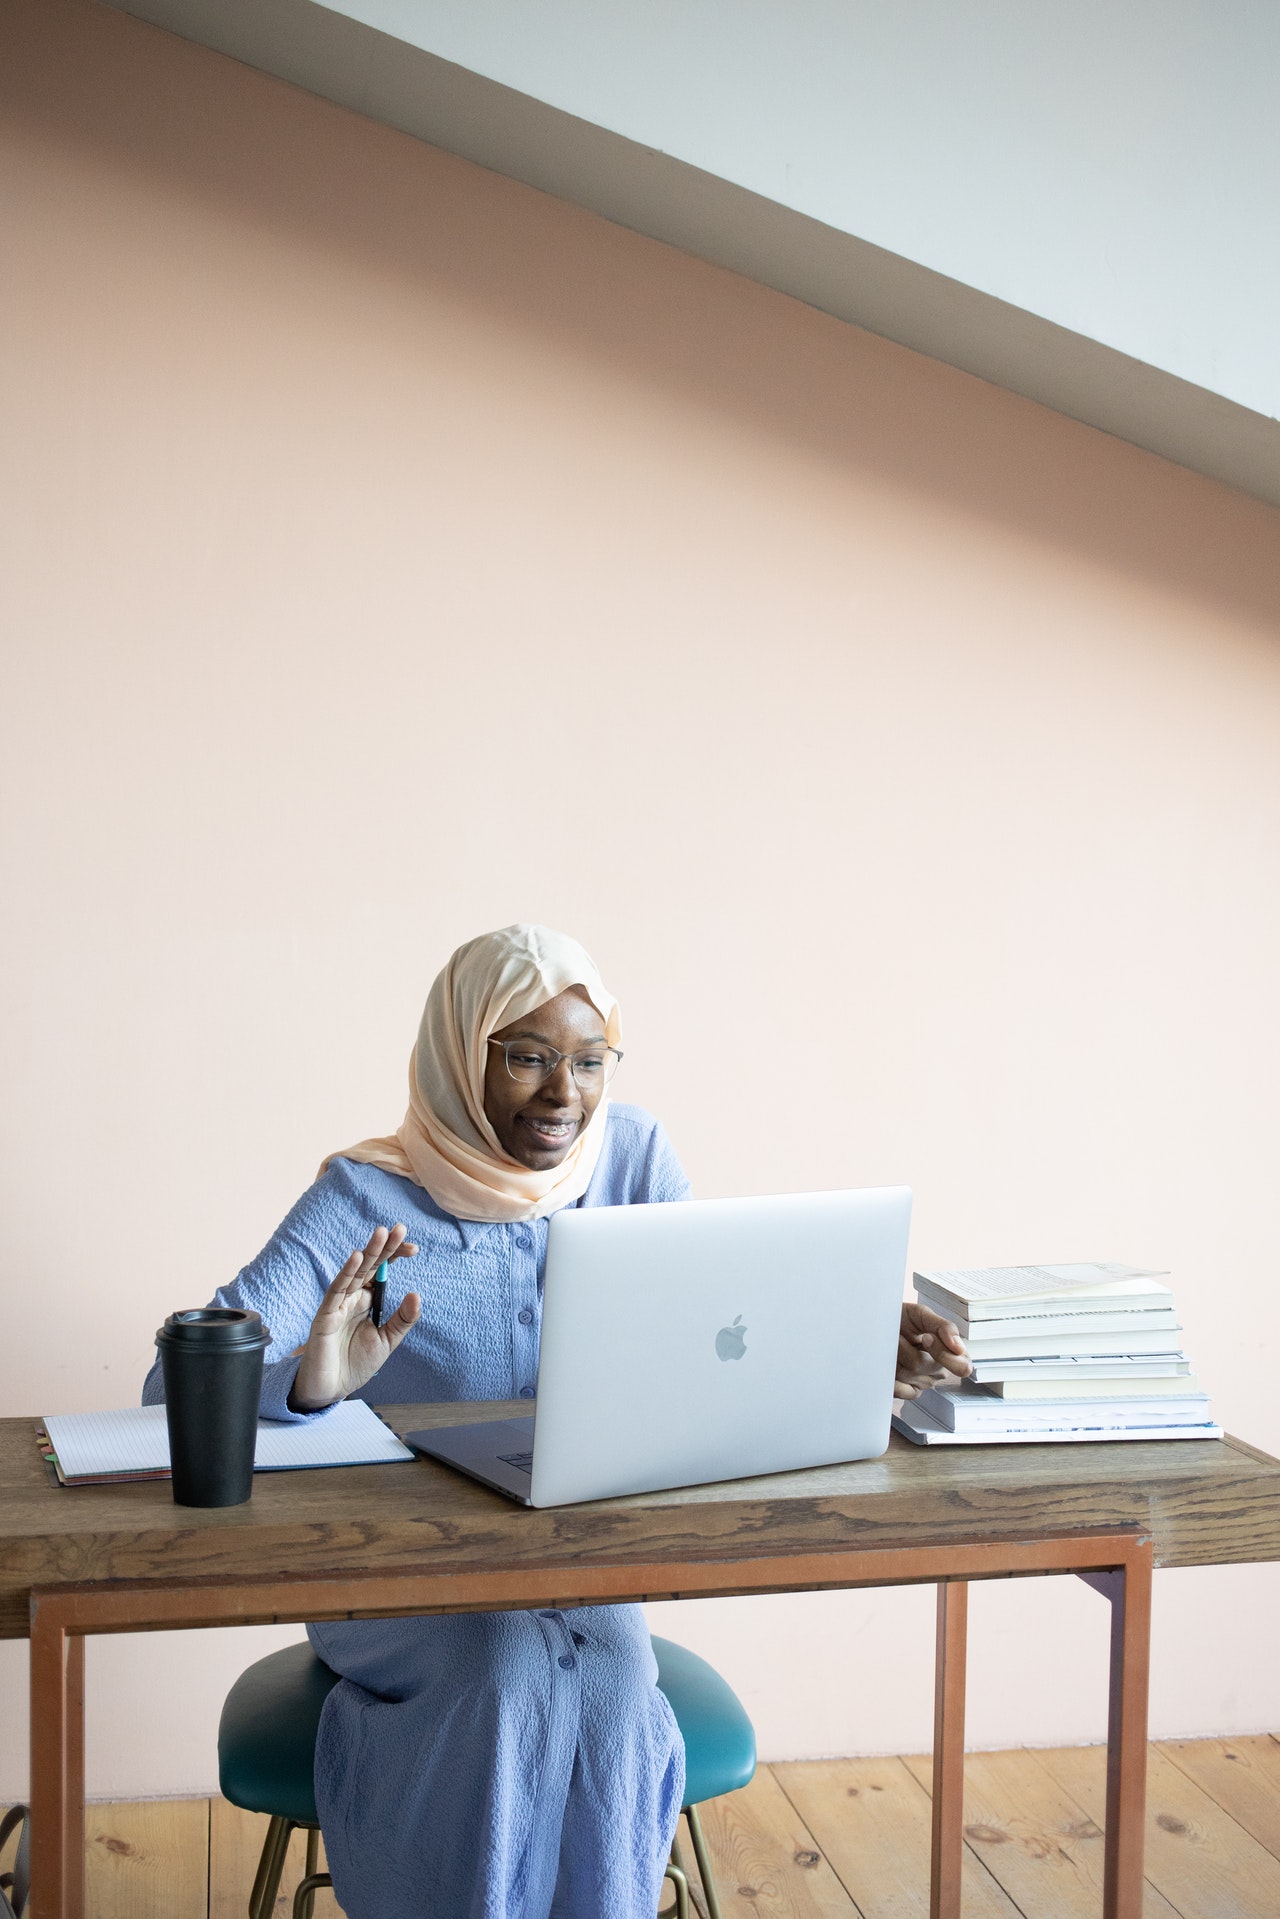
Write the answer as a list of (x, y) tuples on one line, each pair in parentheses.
[(344, 1348)]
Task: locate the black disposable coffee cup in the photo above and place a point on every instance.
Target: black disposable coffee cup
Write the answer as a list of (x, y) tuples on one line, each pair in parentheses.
[(212, 1361)]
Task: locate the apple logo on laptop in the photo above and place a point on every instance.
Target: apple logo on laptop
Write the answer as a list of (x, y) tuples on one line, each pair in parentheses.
[(731, 1340)]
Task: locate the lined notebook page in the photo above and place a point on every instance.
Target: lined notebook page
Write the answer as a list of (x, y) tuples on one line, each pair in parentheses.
[(136, 1440)]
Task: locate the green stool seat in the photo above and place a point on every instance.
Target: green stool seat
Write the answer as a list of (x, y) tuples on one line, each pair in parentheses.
[(267, 1749), (267, 1735), (719, 1739)]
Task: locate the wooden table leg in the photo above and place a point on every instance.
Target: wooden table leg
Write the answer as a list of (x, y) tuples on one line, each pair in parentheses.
[(948, 1751), (1129, 1591), (60, 1616), (57, 1772), (73, 1816)]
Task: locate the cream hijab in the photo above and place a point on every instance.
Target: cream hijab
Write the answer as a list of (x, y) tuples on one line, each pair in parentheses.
[(445, 1142)]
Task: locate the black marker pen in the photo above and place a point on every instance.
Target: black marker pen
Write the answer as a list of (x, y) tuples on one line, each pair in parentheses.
[(378, 1288)]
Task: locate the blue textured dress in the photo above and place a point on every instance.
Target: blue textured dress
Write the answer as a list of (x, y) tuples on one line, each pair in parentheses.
[(518, 1765)]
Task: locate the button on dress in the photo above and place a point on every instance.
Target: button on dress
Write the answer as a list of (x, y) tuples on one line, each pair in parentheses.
[(519, 1765)]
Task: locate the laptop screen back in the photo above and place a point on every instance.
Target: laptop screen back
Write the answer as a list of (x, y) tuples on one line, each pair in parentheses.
[(716, 1339)]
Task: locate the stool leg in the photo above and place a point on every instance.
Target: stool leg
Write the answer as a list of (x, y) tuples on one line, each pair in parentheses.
[(703, 1858), (313, 1850), (264, 1859), (697, 1905), (304, 1898), (260, 1874), (681, 1884), (262, 1899)]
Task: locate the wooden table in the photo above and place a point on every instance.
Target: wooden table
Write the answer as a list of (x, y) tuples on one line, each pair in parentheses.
[(364, 1542)]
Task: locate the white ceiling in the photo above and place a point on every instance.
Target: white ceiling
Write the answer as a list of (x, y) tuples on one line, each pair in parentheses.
[(1081, 204)]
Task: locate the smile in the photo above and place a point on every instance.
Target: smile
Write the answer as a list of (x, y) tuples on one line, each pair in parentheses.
[(554, 1131)]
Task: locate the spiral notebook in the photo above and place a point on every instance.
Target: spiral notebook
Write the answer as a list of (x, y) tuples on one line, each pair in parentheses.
[(98, 1449)]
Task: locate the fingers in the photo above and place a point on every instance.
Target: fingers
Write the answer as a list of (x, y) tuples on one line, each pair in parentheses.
[(946, 1348), (930, 1351), (943, 1337), (386, 1243), (920, 1365), (345, 1309), (383, 1243), (344, 1281), (921, 1323), (919, 1380), (951, 1355), (404, 1316)]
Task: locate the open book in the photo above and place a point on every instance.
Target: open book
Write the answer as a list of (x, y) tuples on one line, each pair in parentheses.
[(1002, 1292)]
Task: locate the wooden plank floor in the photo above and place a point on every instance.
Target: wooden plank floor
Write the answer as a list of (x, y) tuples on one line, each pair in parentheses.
[(832, 1839)]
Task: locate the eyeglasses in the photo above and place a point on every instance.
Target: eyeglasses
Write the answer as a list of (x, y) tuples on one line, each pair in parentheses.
[(531, 1064)]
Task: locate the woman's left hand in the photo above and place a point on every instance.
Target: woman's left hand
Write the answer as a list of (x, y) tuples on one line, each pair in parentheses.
[(929, 1349)]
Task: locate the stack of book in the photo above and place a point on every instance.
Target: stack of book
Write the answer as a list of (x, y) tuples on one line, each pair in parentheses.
[(1079, 1352)]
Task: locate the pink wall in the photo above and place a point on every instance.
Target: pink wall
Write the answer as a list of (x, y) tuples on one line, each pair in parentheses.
[(393, 552)]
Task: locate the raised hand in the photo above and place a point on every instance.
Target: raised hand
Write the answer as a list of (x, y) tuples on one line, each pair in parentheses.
[(344, 1348), (929, 1348)]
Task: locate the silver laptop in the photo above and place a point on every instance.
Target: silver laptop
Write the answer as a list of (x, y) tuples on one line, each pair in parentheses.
[(709, 1339)]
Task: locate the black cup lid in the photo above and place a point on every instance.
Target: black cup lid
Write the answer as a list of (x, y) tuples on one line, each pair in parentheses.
[(214, 1326)]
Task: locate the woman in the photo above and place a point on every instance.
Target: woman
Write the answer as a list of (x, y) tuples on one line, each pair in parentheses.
[(500, 1765)]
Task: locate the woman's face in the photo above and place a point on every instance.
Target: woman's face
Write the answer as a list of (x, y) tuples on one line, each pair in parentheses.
[(537, 1125)]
